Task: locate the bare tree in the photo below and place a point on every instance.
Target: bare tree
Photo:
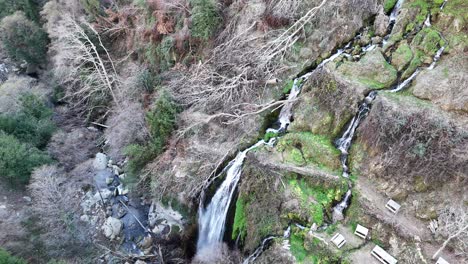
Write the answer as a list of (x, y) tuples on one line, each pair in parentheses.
[(453, 224), (238, 69), (81, 61)]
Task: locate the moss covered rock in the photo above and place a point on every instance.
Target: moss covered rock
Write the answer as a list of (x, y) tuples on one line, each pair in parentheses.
[(402, 56), (372, 71)]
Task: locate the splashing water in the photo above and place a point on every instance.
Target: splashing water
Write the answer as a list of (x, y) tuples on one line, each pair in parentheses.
[(344, 142), (212, 219)]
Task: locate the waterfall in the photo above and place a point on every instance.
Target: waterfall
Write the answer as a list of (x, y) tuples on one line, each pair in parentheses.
[(405, 82), (212, 219), (396, 9), (392, 20), (416, 72), (344, 142), (443, 4), (436, 58), (258, 251), (339, 208)]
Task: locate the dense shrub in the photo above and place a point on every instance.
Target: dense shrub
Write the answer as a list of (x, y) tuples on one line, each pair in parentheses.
[(30, 125), (6, 258), (23, 39), (205, 18), (161, 122), (29, 7), (17, 160)]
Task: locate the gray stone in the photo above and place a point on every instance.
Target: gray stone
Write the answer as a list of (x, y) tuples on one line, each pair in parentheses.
[(112, 227), (100, 162), (381, 23)]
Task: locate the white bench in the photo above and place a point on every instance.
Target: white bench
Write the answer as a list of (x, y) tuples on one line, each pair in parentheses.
[(382, 256), (442, 261), (361, 231), (338, 240), (393, 206)]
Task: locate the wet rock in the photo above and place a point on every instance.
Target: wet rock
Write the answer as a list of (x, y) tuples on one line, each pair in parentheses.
[(140, 262), (27, 199), (146, 242), (100, 162), (112, 227), (109, 180), (376, 40), (381, 23)]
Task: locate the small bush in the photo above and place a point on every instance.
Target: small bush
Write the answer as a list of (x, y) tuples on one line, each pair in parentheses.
[(205, 19), (29, 7), (32, 124), (148, 80), (23, 39), (6, 258), (388, 5), (161, 122), (17, 160)]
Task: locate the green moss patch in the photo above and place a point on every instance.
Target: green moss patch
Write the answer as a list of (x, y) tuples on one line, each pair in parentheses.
[(402, 56), (315, 199), (388, 5), (240, 222), (304, 148)]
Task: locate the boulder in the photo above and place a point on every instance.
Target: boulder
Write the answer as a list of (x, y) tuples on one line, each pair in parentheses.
[(381, 23), (100, 162), (112, 227), (402, 56), (445, 85), (372, 71)]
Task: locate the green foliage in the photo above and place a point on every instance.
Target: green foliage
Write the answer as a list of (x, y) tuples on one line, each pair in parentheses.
[(23, 39), (322, 197), (240, 222), (6, 258), (269, 135), (205, 18), (287, 88), (148, 80), (164, 52), (161, 122), (297, 247), (388, 5), (32, 124), (92, 7), (29, 7), (17, 160)]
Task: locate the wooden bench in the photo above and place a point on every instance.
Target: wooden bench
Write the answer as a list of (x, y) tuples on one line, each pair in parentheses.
[(393, 206), (442, 261), (361, 231), (338, 240), (381, 255)]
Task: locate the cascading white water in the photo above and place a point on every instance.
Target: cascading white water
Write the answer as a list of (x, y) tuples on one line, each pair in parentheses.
[(211, 221), (339, 208), (396, 9), (392, 20), (405, 83), (443, 4), (436, 58), (344, 142)]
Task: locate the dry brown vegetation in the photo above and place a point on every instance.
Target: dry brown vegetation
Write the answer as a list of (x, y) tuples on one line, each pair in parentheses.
[(415, 143), (56, 202)]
